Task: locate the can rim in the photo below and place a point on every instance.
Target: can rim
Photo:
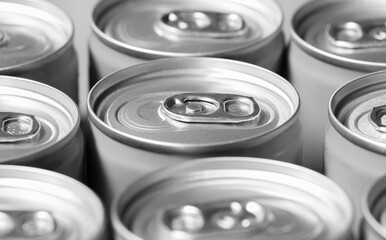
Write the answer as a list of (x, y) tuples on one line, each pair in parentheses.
[(144, 53), (200, 164), (54, 93), (55, 54), (377, 188), (304, 12), (127, 138), (56, 178), (341, 93)]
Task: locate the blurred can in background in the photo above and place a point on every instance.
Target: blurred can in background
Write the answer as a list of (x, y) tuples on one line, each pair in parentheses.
[(233, 198), (40, 204), (373, 206), (333, 42), (355, 142), (167, 111), (126, 33), (40, 127), (36, 42)]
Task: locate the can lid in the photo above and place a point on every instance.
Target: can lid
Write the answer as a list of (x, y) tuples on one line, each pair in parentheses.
[(172, 28), (357, 110), (57, 207), (34, 119), (182, 105), (348, 34), (31, 31), (233, 198), (373, 207)]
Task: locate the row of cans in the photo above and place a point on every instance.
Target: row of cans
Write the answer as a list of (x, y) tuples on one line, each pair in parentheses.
[(209, 198), (160, 113)]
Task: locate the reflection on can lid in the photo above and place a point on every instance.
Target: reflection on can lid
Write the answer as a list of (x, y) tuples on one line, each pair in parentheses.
[(30, 31), (186, 28), (33, 118), (57, 207), (233, 198), (358, 111), (349, 34), (182, 105)]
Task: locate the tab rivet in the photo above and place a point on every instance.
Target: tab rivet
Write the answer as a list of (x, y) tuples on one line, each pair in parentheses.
[(379, 34), (193, 107), (377, 118)]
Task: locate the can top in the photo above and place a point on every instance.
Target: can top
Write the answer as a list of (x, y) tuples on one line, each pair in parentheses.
[(347, 34), (57, 207), (171, 28), (34, 119), (182, 105), (373, 206), (358, 111), (30, 32), (233, 198)]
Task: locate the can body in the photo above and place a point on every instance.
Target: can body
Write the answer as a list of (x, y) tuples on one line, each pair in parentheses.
[(320, 62), (373, 209), (135, 135), (353, 149), (37, 43), (41, 204), (249, 32), (40, 127), (235, 198)]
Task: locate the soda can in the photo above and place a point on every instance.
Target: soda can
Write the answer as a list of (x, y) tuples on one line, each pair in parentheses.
[(126, 33), (167, 111), (41, 204), (373, 206), (40, 127), (333, 43), (233, 198), (355, 145), (36, 42)]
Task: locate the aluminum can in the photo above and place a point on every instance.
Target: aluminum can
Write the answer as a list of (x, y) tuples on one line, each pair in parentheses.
[(36, 42), (40, 127), (41, 204), (126, 33), (333, 43), (233, 198), (167, 111), (355, 145), (373, 206)]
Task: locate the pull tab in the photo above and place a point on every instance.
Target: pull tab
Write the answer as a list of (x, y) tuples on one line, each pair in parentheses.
[(203, 24), (17, 127), (205, 221), (378, 118), (211, 108), (355, 35), (25, 225)]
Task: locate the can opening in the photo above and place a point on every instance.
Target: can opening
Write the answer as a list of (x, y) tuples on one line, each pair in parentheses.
[(211, 108), (356, 35), (202, 24)]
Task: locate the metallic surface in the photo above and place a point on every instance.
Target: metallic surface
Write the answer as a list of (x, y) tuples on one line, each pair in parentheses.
[(233, 198), (130, 134), (36, 42), (354, 149), (133, 32), (57, 207), (40, 127), (317, 71), (373, 206)]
